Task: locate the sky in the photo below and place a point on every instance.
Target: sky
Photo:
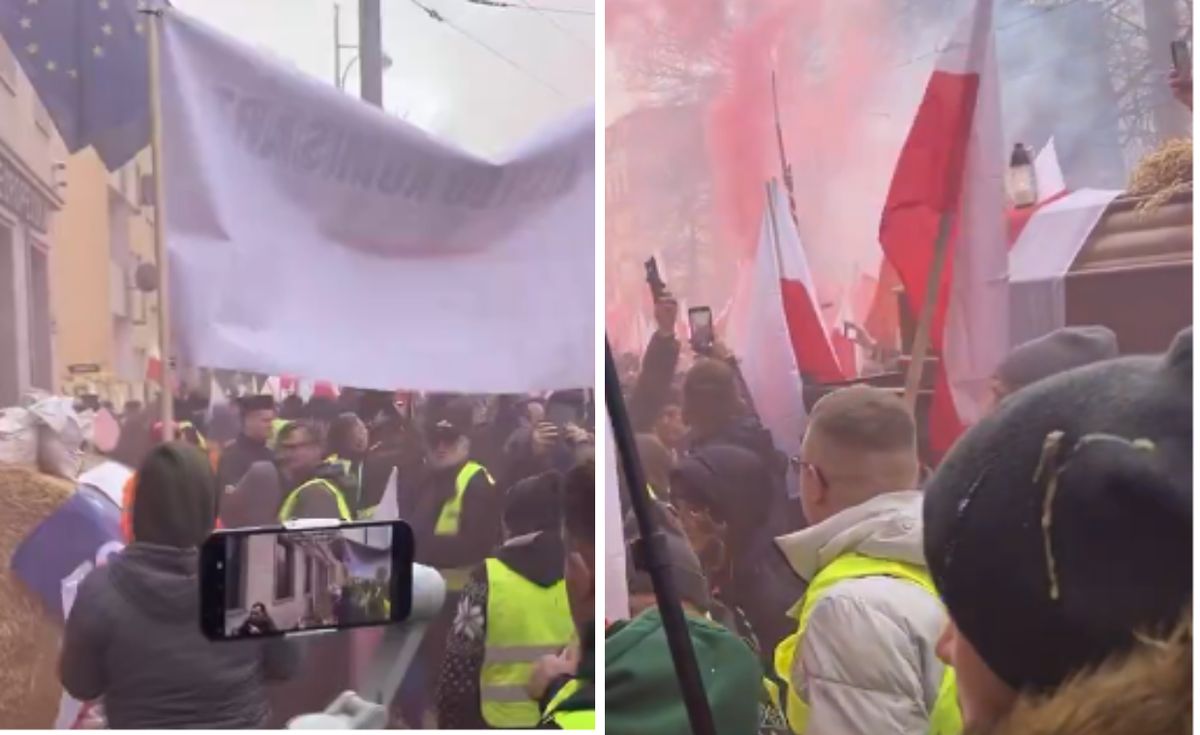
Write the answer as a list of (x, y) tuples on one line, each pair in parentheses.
[(440, 80)]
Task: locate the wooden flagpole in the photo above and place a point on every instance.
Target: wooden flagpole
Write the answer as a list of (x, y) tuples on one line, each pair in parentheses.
[(160, 240), (921, 340)]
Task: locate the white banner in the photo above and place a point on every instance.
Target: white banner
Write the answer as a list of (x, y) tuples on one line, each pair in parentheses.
[(314, 235)]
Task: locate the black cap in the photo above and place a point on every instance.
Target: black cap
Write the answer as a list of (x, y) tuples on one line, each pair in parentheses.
[(455, 416), (1060, 527), (256, 402)]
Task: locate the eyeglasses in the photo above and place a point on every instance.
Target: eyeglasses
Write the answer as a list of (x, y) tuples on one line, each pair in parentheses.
[(800, 465)]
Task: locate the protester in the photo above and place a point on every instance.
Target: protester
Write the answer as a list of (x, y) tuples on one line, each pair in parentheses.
[(454, 511), (1056, 352), (723, 494), (1059, 535), (565, 684), (258, 622), (347, 443), (651, 389), (512, 611), (135, 619), (641, 689), (862, 658), (250, 446), (320, 488), (657, 463)]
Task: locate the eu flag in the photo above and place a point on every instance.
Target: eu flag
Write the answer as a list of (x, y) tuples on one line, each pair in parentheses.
[(88, 60)]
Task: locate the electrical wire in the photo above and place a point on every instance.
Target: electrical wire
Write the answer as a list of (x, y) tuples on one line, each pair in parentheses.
[(435, 15), (527, 6), (550, 19)]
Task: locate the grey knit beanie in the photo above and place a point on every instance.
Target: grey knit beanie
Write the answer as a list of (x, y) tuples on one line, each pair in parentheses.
[(1056, 352)]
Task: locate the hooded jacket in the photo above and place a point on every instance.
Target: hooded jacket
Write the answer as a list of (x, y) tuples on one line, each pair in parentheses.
[(536, 557), (133, 637), (1147, 692), (867, 662)]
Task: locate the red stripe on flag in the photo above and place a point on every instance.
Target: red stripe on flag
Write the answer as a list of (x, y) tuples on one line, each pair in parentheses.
[(927, 184), (1019, 217), (944, 424), (810, 343)]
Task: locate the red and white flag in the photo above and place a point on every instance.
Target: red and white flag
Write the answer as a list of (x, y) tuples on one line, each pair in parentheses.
[(776, 331), (951, 171)]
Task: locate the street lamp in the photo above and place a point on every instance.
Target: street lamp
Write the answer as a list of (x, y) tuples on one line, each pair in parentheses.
[(340, 73)]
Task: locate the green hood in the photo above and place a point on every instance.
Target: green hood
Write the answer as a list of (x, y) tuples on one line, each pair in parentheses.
[(641, 693)]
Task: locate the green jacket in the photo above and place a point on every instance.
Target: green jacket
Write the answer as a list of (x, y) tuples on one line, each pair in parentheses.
[(641, 692)]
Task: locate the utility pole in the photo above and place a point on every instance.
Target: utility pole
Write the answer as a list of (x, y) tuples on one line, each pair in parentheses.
[(337, 45), (370, 49)]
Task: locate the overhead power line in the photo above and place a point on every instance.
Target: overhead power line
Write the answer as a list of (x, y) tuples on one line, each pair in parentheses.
[(527, 6), (435, 15)]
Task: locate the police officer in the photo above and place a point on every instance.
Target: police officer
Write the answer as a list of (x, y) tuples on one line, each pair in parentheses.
[(514, 610), (320, 489)]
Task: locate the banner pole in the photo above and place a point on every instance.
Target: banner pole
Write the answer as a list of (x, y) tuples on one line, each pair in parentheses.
[(651, 547), (160, 240), (921, 340)]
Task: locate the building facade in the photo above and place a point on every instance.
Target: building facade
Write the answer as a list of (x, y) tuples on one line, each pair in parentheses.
[(31, 156), (107, 329)]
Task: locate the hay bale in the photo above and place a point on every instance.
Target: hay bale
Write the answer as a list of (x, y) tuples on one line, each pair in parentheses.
[(29, 637)]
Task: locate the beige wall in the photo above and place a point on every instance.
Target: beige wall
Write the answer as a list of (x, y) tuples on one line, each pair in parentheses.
[(102, 233)]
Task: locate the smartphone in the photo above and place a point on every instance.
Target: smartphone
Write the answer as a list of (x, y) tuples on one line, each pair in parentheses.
[(700, 325), (1181, 56), (560, 414), (658, 287), (277, 580)]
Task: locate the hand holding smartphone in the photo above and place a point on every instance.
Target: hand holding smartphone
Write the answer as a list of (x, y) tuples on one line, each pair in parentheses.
[(700, 325), (272, 581)]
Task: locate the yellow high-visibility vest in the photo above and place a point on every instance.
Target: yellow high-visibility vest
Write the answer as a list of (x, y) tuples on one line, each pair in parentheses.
[(525, 621), (277, 426), (944, 718), (289, 503), (568, 719), (451, 514)]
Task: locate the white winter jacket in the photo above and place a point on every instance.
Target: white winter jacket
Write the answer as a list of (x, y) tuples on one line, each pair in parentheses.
[(867, 663)]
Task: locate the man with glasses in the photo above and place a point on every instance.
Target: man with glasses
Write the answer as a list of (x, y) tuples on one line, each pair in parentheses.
[(320, 489), (862, 659)]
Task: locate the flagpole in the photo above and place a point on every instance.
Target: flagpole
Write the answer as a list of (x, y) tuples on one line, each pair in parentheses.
[(921, 340), (160, 239)]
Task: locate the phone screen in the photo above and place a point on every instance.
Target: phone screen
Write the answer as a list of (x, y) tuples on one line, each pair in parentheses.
[(1181, 56), (700, 325), (273, 581), (560, 414)]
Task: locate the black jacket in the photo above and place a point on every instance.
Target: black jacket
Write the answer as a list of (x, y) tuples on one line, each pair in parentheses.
[(479, 523), (538, 559), (133, 637), (236, 460)]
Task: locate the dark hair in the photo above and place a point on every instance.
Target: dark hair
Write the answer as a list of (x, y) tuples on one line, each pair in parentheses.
[(579, 503), (292, 407), (533, 504), (337, 441), (710, 395)]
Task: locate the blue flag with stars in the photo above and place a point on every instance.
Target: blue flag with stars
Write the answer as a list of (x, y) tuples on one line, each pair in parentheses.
[(88, 61)]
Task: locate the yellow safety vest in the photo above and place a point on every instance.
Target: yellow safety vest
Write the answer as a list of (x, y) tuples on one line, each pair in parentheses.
[(289, 503), (569, 719), (346, 465), (448, 520), (276, 427), (944, 719), (524, 622)]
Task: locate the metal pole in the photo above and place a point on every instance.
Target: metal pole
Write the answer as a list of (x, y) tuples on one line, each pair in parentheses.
[(160, 238), (370, 52), (337, 45), (654, 557)]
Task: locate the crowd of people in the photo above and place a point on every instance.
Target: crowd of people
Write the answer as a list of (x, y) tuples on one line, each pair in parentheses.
[(1037, 580), (493, 488)]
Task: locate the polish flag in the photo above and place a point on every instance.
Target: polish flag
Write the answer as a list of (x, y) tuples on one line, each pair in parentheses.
[(766, 337), (950, 174), (814, 351)]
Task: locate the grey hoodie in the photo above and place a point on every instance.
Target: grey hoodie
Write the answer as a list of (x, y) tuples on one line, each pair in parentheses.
[(133, 638), (867, 662)]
